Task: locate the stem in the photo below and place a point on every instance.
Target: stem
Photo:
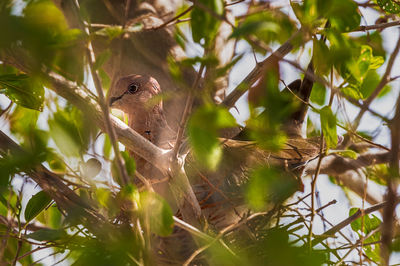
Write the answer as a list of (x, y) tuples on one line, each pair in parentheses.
[(102, 102)]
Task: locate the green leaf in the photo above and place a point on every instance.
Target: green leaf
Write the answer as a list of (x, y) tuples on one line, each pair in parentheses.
[(107, 146), (55, 162), (105, 79), (267, 26), (23, 90), (355, 225), (71, 130), (103, 196), (343, 14), (157, 213), (318, 94), (269, 185), (48, 234), (129, 163), (389, 6), (352, 92), (203, 132), (110, 32), (376, 62), (321, 57), (102, 58), (328, 126), (347, 153), (130, 166), (36, 204), (205, 25), (369, 83), (23, 120)]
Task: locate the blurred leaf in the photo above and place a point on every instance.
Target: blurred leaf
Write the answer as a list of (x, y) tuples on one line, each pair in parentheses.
[(342, 50), (205, 25), (48, 234), (105, 79), (130, 166), (23, 90), (209, 60), (71, 131), (56, 164), (107, 146), (342, 14), (102, 58), (352, 92), (50, 217), (14, 247), (36, 204), (174, 69), (273, 248), (321, 57), (23, 121), (347, 153), (376, 62), (268, 26), (157, 212), (203, 129), (385, 91), (369, 83), (269, 185), (373, 40), (135, 27), (328, 126), (389, 6), (103, 196), (44, 14), (91, 168), (318, 94), (129, 162), (307, 13), (110, 32)]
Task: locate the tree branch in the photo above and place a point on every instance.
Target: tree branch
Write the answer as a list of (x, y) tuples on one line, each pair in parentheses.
[(255, 74)]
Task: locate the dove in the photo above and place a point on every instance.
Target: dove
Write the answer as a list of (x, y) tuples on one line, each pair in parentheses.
[(138, 96)]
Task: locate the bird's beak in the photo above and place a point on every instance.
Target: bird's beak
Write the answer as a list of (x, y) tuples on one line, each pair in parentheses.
[(114, 99)]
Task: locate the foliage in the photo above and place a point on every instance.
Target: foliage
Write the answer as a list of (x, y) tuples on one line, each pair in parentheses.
[(60, 187)]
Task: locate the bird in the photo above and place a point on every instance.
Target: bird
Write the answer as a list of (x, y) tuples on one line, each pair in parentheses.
[(135, 96), (138, 97)]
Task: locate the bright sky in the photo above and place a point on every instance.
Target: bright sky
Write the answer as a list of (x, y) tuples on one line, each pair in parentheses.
[(328, 191)]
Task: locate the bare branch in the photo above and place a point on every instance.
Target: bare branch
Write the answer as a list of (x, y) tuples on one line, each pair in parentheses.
[(255, 74)]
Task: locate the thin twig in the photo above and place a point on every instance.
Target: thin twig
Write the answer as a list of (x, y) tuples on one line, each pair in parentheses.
[(186, 113), (331, 232), (256, 73), (313, 184), (173, 19), (377, 26), (102, 102)]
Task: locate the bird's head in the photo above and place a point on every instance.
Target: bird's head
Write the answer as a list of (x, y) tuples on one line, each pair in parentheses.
[(133, 92)]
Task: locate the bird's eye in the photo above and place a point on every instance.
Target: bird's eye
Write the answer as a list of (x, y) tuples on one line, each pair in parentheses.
[(133, 88)]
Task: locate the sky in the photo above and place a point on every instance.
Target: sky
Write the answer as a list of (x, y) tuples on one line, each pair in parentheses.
[(327, 190)]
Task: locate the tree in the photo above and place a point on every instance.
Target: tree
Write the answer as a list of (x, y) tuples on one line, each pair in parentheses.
[(232, 196)]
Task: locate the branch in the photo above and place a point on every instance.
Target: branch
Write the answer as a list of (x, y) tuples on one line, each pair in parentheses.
[(391, 196), (347, 171), (255, 74), (130, 138), (336, 165), (331, 232), (51, 183), (380, 26)]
